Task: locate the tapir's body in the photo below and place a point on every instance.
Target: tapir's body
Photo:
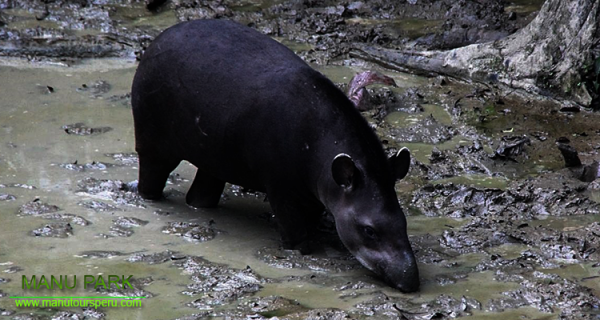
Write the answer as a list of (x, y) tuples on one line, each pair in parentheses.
[(245, 109)]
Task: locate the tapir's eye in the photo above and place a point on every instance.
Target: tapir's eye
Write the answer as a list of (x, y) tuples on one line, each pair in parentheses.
[(370, 232)]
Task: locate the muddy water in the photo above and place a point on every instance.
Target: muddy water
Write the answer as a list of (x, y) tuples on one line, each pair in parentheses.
[(524, 6), (35, 150)]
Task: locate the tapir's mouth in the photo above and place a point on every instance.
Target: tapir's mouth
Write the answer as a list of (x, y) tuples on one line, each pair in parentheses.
[(406, 279), (408, 284)]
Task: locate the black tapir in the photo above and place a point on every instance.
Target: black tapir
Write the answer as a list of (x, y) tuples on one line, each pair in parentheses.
[(245, 109)]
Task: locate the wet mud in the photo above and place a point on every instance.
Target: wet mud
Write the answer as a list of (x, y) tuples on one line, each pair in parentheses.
[(191, 231), (500, 226)]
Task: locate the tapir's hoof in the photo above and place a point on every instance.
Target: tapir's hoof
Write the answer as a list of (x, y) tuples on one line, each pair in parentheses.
[(303, 247), (199, 202), (152, 197), (144, 194)]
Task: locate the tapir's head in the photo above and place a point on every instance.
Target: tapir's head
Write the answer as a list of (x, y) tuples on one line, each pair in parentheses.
[(369, 219)]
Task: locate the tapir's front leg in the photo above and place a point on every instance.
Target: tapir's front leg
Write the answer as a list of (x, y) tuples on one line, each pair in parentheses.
[(153, 174), (295, 217)]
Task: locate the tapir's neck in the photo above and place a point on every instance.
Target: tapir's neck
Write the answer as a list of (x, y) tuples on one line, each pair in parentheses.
[(348, 132), (324, 187)]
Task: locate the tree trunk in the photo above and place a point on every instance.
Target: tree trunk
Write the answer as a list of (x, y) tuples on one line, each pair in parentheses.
[(556, 55)]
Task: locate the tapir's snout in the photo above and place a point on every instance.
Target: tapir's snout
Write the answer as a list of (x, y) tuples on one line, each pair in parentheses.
[(402, 274), (409, 280)]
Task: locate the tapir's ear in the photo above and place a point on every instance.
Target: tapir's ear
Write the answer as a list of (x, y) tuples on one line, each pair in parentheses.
[(343, 170), (400, 163)]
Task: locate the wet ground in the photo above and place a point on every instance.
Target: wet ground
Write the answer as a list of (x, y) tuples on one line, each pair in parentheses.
[(501, 229)]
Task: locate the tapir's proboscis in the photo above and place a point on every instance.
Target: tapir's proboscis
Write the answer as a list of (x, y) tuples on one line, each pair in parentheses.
[(245, 109)]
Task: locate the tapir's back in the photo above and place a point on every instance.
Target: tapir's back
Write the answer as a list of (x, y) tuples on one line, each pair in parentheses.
[(216, 86), (213, 55)]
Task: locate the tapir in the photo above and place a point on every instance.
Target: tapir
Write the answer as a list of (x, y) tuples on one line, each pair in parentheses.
[(244, 109)]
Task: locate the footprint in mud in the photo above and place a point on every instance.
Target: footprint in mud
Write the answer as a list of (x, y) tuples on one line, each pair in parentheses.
[(37, 207), (18, 185), (67, 217), (54, 230), (98, 206), (156, 258), (123, 227), (48, 211), (80, 129), (116, 190), (86, 166), (293, 259), (192, 231), (7, 197), (122, 99), (13, 269), (60, 229), (96, 89), (266, 306), (442, 307), (129, 222), (10, 197), (96, 254), (134, 289), (124, 158)]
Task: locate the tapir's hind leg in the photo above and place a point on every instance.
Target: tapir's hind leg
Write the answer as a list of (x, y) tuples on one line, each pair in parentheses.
[(153, 175), (205, 191)]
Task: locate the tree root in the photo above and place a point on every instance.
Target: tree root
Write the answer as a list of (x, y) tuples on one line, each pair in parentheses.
[(547, 57)]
